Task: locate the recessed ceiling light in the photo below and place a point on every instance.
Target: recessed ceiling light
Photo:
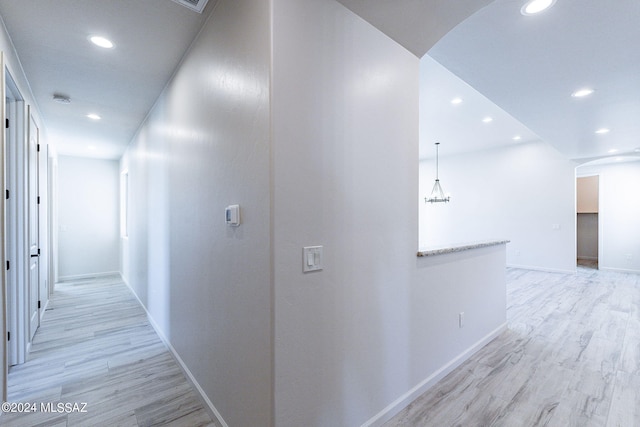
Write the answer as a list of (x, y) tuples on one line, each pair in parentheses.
[(93, 116), (603, 131), (534, 7), (618, 159), (613, 150), (517, 138), (456, 101), (101, 41), (92, 148), (637, 150), (487, 120), (581, 93)]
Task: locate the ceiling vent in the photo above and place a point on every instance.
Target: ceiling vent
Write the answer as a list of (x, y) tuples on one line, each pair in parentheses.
[(195, 5)]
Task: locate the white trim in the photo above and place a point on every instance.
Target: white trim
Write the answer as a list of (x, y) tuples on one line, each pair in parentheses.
[(211, 409), (618, 270), (403, 401), (545, 269), (87, 276)]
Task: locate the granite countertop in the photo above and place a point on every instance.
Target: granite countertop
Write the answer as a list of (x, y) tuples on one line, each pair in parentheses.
[(459, 247)]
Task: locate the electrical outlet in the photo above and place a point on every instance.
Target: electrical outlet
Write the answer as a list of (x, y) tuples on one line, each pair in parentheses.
[(461, 319)]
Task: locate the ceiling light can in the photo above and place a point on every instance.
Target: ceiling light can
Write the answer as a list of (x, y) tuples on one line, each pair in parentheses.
[(101, 42), (581, 93), (533, 7)]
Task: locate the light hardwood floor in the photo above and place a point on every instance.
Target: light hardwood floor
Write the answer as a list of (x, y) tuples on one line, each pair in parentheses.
[(96, 346), (570, 357)]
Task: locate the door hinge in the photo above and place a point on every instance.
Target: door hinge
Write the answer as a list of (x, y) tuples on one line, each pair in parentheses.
[(38, 147), (6, 123), (38, 199), (38, 251), (8, 265), (7, 194), (8, 336), (38, 304)]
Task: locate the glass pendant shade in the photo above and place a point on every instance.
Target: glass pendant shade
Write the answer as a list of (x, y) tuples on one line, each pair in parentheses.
[(437, 195)]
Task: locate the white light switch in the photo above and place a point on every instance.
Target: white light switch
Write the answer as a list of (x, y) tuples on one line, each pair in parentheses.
[(232, 215), (311, 258)]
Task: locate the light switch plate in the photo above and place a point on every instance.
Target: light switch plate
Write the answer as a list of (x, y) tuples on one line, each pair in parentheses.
[(311, 258)]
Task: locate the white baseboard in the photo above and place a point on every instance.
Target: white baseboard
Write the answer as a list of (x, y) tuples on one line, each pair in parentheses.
[(618, 270), (545, 269), (211, 409), (403, 401), (87, 276)]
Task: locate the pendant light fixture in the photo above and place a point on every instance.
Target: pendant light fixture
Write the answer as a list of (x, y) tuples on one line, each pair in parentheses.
[(437, 195)]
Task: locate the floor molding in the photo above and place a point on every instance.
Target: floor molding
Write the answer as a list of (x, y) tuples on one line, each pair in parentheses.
[(88, 276), (213, 411), (97, 348), (400, 403), (568, 358), (543, 269)]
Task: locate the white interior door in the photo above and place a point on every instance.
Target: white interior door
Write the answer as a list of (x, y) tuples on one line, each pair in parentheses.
[(34, 221)]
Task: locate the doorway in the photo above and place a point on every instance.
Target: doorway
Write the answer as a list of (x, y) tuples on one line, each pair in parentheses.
[(587, 208)]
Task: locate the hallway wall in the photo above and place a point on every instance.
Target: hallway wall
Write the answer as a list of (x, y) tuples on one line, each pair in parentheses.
[(365, 335), (205, 146), (88, 217), (321, 150)]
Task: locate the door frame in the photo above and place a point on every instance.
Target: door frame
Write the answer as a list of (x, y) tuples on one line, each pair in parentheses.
[(4, 368), (15, 147)]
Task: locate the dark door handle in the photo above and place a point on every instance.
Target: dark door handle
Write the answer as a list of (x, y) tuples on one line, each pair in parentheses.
[(35, 255)]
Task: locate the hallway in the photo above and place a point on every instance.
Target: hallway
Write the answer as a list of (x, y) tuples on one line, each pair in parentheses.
[(96, 346)]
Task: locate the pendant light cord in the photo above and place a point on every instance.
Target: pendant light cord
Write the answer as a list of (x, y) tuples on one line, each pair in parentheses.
[(437, 143)]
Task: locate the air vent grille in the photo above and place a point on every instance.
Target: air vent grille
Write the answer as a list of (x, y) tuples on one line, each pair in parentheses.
[(195, 5)]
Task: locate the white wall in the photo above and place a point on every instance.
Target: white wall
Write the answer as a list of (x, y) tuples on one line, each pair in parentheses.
[(88, 217), (376, 322), (619, 215), (517, 193), (205, 146)]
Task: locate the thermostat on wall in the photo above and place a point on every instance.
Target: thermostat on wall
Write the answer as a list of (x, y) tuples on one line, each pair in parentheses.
[(232, 215)]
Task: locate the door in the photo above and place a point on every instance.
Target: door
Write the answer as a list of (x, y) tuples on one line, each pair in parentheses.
[(34, 221)]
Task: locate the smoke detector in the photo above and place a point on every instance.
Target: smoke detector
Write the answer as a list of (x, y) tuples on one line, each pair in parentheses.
[(62, 99), (195, 5)]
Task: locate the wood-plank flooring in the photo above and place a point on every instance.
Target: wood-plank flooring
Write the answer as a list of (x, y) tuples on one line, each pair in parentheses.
[(570, 357), (96, 346)]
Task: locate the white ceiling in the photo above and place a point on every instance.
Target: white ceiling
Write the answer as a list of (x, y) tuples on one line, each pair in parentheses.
[(521, 70), (530, 65), (120, 84), (459, 127), (415, 24)]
